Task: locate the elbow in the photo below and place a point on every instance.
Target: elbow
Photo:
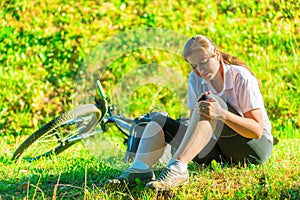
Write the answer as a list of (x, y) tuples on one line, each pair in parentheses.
[(258, 134)]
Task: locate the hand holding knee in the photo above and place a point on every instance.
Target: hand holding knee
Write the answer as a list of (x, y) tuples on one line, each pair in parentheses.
[(211, 109)]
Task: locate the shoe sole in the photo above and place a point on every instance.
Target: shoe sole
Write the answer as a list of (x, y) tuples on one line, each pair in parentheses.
[(170, 188)]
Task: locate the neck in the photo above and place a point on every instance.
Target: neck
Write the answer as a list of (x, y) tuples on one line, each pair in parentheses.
[(218, 81)]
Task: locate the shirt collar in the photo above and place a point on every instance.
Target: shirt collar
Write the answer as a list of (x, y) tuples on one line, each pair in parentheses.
[(228, 83)]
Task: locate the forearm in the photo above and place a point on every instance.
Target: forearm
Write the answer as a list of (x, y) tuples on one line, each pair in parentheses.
[(246, 127)]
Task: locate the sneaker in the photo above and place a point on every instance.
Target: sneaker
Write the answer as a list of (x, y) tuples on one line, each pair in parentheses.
[(130, 177), (168, 179)]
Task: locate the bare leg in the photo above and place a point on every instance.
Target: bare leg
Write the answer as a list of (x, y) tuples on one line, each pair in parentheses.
[(197, 136), (152, 144), (150, 149)]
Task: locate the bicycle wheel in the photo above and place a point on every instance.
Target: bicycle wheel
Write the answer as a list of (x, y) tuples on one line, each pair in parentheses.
[(60, 133)]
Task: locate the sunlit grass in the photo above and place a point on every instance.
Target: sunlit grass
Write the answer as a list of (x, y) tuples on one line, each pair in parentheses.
[(43, 45), (76, 173)]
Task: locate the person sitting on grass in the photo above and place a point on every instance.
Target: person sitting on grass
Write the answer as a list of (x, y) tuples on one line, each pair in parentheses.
[(228, 121)]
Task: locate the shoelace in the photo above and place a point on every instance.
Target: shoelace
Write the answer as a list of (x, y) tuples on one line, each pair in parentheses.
[(164, 174)]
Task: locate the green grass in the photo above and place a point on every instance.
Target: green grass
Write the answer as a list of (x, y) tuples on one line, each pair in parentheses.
[(43, 44), (77, 174)]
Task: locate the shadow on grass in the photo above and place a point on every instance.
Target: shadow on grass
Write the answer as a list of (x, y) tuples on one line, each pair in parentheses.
[(70, 185), (84, 178), (292, 193), (76, 184)]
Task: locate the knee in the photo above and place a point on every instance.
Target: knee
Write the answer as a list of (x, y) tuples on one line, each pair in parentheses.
[(218, 99), (152, 129), (153, 124), (159, 119)]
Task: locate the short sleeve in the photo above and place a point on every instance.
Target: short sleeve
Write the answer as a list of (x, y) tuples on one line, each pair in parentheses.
[(192, 93), (248, 93)]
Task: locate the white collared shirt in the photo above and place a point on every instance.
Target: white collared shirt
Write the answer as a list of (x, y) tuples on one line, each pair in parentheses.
[(240, 90)]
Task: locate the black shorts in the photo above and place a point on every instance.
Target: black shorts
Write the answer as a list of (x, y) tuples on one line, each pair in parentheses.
[(228, 147)]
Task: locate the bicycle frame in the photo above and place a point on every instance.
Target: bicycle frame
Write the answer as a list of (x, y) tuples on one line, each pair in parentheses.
[(123, 124), (82, 121)]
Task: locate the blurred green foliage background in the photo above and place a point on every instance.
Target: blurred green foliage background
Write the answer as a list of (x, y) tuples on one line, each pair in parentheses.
[(44, 42)]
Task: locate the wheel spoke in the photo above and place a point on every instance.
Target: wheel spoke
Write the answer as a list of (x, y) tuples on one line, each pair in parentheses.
[(60, 133)]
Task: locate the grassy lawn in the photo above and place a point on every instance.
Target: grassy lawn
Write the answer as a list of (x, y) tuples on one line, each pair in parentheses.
[(77, 174), (44, 43)]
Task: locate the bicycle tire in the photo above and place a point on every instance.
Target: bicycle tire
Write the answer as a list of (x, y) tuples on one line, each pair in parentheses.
[(59, 122)]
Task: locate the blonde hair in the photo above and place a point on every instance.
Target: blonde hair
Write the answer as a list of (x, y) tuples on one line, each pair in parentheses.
[(204, 45)]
